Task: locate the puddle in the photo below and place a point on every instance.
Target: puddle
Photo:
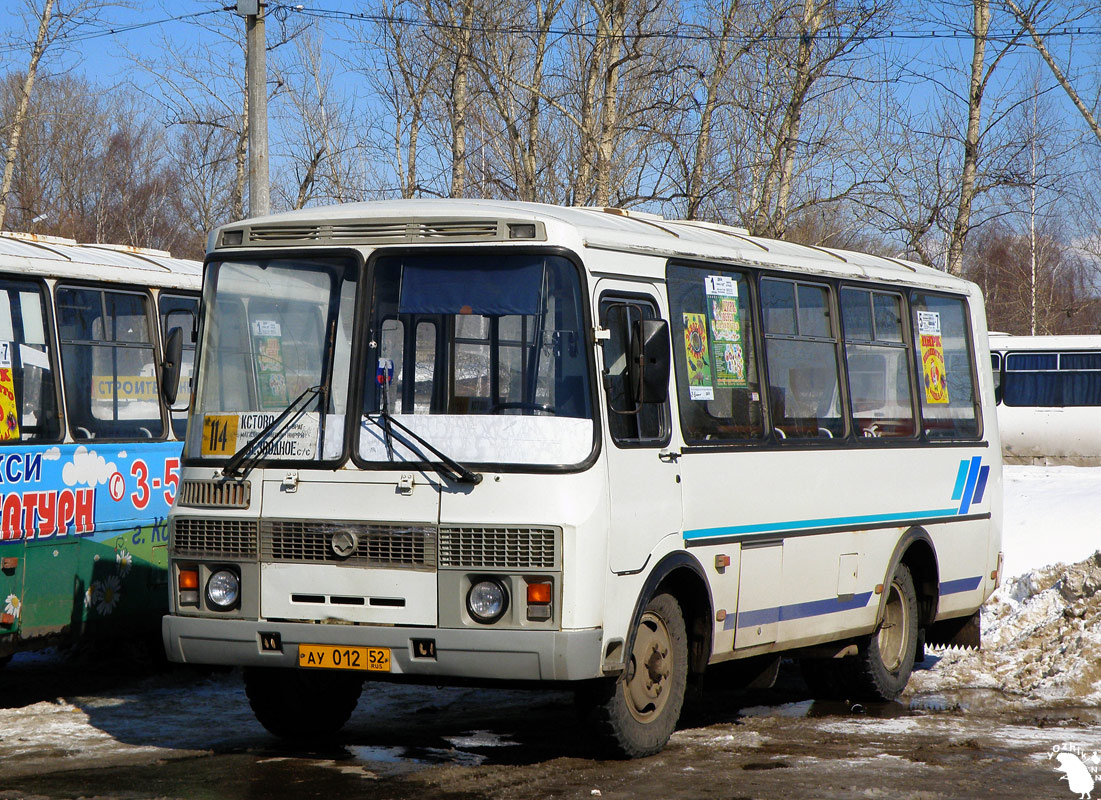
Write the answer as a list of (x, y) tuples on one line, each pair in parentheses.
[(393, 761), (824, 708)]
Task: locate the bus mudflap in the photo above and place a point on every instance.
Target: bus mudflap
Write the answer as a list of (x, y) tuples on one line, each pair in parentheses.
[(962, 632)]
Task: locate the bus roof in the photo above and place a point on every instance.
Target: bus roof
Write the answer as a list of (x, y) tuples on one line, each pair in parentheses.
[(427, 222), (1007, 341), (53, 257)]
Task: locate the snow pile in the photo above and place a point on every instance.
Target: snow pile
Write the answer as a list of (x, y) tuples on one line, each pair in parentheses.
[(1041, 638)]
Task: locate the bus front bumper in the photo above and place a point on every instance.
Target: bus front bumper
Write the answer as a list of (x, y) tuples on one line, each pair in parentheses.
[(459, 653)]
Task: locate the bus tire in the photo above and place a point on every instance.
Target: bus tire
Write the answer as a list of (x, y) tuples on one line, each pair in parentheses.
[(885, 659), (296, 704), (637, 713)]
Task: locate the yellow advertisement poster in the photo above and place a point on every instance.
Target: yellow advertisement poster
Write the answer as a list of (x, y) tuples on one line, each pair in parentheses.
[(932, 358), (696, 355), (9, 412)]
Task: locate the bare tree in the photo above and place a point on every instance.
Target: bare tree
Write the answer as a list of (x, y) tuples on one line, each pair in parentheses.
[(317, 128), (512, 67), (1027, 17), (824, 33), (93, 167), (401, 64), (53, 20), (199, 87)]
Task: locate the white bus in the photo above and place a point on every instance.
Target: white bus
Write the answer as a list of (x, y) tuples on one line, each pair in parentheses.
[(1049, 398), (502, 442), (89, 454)]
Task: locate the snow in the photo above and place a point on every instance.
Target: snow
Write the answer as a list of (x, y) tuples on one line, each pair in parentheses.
[(1042, 628), (1052, 515)]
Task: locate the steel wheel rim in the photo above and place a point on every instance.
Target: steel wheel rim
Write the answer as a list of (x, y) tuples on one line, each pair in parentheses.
[(650, 672), (892, 631)]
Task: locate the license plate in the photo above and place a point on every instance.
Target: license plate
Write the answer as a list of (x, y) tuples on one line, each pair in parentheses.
[(327, 656)]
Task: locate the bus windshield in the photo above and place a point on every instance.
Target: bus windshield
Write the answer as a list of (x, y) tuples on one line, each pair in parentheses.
[(275, 329), (481, 354)]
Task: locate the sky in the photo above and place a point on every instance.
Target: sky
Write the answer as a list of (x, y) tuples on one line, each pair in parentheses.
[(102, 48)]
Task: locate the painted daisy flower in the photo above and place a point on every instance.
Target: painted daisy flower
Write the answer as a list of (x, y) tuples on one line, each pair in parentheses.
[(12, 605), (92, 595), (112, 591), (125, 561)]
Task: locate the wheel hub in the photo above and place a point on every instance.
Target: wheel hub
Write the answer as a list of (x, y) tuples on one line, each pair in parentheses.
[(650, 669)]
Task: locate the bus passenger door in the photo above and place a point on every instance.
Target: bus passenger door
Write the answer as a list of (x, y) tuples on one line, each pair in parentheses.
[(643, 476)]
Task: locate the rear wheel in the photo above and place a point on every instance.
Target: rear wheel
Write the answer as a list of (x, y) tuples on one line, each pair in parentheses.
[(885, 659), (297, 704), (637, 713)]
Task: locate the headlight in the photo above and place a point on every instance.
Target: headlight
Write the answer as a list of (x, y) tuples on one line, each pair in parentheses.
[(486, 601), (223, 589)]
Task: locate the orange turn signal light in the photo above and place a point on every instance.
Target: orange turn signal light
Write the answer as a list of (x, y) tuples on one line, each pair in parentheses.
[(189, 580), (539, 594)]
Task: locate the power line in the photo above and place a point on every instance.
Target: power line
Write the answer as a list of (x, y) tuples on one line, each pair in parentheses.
[(886, 35), (78, 35), (283, 11)]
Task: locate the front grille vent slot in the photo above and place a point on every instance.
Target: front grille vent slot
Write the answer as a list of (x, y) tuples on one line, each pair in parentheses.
[(376, 545), (213, 538), (215, 494), (509, 548)]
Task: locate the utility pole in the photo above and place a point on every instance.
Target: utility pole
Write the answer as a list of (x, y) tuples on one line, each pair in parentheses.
[(256, 78)]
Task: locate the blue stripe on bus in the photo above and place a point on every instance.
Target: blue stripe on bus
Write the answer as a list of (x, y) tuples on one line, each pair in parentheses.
[(960, 585), (972, 480), (822, 522), (980, 488), (814, 608), (961, 478)]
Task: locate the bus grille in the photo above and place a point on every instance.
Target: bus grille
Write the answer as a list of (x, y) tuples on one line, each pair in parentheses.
[(215, 538), (215, 494), (384, 231), (512, 548), (400, 546)]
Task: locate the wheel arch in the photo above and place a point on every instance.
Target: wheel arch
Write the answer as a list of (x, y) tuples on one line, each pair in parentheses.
[(915, 549), (681, 575)]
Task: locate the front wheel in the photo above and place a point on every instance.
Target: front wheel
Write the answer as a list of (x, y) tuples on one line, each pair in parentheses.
[(637, 713), (298, 704), (885, 659)]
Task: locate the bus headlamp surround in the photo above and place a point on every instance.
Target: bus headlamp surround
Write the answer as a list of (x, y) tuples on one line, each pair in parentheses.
[(487, 601), (223, 589)]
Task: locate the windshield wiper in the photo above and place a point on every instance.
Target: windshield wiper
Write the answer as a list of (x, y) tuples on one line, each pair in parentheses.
[(449, 467), (286, 418)]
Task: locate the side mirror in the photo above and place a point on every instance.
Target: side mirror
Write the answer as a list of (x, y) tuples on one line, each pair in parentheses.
[(649, 361), (170, 367)]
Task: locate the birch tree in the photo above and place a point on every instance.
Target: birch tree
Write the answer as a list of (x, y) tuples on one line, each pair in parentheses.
[(51, 20)]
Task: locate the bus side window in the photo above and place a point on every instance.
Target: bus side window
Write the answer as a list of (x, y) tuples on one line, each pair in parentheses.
[(723, 402), (949, 404), (109, 364), (29, 393), (629, 422), (878, 364), (801, 357)]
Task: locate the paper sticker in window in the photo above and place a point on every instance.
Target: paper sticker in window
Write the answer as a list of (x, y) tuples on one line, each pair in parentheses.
[(696, 355), (271, 378), (266, 327), (9, 413), (932, 358), (726, 331)]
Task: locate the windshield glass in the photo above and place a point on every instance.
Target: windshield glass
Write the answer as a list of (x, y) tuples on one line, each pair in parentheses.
[(481, 354), (274, 328)]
